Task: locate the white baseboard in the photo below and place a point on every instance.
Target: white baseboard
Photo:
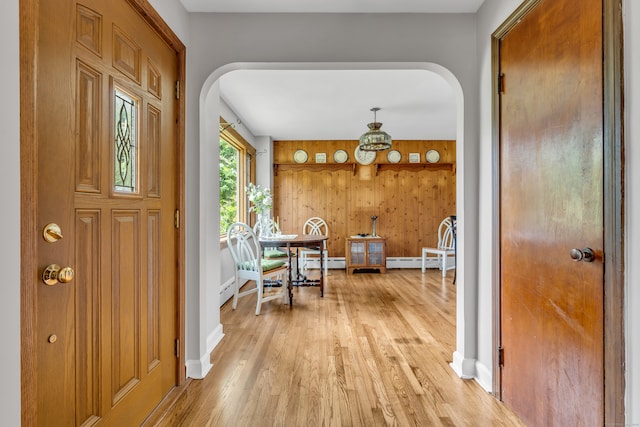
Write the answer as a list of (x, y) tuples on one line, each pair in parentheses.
[(403, 262), (214, 338), (198, 369), (465, 368), (338, 263), (226, 291), (484, 377)]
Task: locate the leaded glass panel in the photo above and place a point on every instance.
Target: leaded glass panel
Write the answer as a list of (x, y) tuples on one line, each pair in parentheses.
[(126, 137)]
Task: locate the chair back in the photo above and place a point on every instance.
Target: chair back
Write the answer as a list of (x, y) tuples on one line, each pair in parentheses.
[(315, 226), (274, 227), (446, 234), (245, 248)]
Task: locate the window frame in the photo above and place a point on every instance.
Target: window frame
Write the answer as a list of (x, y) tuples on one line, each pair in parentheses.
[(246, 169)]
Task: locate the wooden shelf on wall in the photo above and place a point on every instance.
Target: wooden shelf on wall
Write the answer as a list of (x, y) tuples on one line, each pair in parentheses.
[(313, 167), (380, 167), (415, 167)]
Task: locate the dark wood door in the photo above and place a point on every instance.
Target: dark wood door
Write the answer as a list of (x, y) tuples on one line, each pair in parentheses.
[(108, 176), (551, 200)]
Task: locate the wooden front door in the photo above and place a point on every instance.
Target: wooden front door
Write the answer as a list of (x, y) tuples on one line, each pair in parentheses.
[(107, 138), (551, 201)]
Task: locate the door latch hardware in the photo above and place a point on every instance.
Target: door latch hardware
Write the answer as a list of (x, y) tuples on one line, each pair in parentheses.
[(52, 232), (586, 254), (53, 274)]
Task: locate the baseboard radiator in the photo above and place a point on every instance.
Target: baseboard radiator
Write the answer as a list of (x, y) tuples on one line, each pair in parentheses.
[(392, 262)]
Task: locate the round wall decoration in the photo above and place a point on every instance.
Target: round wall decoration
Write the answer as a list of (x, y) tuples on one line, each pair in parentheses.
[(300, 156), (394, 156), (432, 156), (340, 156)]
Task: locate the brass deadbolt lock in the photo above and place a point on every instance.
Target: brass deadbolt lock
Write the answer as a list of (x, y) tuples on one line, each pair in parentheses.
[(52, 232)]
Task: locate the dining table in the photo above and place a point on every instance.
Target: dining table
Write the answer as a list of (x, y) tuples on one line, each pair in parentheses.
[(295, 241)]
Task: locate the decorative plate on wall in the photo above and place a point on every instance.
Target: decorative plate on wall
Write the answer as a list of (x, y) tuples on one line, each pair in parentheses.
[(394, 156), (432, 156), (300, 156), (340, 156)]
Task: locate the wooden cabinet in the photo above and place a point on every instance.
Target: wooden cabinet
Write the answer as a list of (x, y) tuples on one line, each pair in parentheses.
[(366, 253)]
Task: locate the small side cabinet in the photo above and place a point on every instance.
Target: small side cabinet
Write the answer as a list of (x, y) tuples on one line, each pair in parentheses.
[(366, 253)]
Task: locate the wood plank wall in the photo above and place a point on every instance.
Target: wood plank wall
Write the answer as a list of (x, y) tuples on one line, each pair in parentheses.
[(409, 204)]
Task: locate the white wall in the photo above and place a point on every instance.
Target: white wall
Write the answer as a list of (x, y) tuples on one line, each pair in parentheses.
[(490, 16), (175, 16), (313, 41), (10, 215)]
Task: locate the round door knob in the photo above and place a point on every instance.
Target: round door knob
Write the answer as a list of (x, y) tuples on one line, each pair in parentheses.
[(584, 254), (53, 274)]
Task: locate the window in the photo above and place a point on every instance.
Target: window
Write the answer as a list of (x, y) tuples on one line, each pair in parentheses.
[(237, 169)]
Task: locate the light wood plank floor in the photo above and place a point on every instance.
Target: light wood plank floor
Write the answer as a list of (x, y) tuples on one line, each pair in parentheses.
[(375, 351)]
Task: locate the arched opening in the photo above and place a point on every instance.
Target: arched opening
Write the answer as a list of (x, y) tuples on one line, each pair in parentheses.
[(464, 356)]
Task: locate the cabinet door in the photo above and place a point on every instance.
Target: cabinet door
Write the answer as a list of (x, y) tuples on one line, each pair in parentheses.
[(357, 253), (376, 253)]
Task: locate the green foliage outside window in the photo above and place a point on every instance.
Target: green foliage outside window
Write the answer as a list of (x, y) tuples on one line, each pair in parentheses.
[(228, 185)]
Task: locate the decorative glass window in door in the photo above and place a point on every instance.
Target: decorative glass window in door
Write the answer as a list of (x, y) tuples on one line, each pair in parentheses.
[(126, 137)]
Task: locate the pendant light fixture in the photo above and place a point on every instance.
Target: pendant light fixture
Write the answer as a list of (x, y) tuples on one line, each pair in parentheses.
[(375, 139)]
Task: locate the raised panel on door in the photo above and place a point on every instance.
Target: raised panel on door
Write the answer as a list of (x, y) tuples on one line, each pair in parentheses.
[(126, 316)]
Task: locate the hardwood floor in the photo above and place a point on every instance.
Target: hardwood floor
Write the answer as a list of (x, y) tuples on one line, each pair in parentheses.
[(374, 351)]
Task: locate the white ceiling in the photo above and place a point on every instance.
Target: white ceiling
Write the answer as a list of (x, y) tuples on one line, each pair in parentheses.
[(334, 6), (325, 105)]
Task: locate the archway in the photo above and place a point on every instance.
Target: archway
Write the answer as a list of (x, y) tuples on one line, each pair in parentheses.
[(464, 357)]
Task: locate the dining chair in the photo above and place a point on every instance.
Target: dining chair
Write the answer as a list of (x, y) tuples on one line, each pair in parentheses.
[(446, 248), (315, 226), (271, 253), (250, 265)]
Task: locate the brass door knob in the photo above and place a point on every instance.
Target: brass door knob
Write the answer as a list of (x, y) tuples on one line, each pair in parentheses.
[(53, 274)]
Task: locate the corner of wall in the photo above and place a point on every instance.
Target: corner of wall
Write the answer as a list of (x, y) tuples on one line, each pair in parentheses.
[(465, 368), (198, 369)]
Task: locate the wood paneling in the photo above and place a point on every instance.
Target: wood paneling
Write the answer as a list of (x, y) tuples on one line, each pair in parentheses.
[(409, 201)]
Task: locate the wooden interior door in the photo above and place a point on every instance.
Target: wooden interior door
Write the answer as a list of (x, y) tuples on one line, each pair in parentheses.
[(551, 201), (107, 173)]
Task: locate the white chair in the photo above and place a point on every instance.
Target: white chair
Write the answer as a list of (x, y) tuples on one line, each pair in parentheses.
[(446, 248), (270, 253), (315, 226), (247, 255), (276, 253)]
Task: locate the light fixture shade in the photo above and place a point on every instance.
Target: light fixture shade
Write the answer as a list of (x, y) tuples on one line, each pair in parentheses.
[(375, 139)]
